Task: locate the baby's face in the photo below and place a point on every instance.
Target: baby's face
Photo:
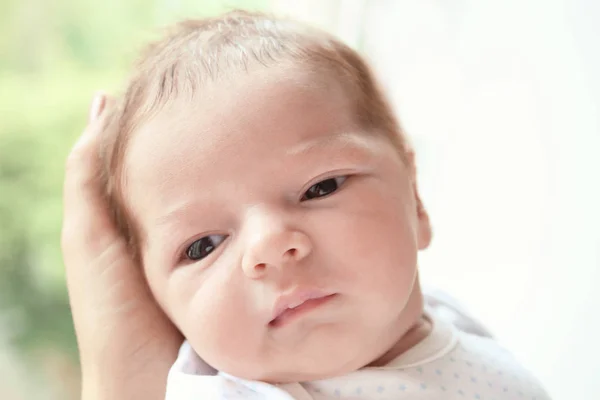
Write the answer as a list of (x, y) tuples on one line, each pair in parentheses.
[(280, 237)]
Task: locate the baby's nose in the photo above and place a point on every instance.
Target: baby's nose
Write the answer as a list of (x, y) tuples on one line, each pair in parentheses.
[(274, 246)]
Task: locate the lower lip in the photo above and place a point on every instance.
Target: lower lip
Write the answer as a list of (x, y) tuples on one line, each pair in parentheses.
[(292, 314)]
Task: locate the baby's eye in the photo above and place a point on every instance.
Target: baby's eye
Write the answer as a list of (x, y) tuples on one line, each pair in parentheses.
[(323, 188), (204, 246)]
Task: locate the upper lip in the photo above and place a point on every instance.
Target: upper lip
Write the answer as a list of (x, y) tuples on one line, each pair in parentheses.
[(295, 298)]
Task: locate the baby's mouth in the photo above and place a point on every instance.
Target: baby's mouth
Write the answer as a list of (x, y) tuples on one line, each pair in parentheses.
[(291, 308)]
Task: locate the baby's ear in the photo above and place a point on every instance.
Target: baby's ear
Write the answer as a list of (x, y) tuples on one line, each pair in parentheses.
[(424, 231)]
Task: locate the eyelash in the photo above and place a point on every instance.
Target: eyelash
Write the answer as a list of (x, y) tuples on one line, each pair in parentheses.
[(216, 240), (339, 181)]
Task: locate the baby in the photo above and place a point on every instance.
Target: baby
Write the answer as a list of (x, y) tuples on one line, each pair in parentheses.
[(269, 193)]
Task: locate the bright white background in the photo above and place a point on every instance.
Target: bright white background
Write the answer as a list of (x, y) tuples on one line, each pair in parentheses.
[(502, 102)]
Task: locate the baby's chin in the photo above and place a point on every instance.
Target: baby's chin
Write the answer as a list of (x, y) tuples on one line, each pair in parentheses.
[(295, 369)]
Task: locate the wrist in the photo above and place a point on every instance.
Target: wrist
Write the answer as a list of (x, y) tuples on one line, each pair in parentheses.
[(140, 375), (147, 383)]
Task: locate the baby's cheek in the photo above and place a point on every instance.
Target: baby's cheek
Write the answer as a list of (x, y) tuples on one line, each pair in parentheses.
[(220, 328), (381, 261)]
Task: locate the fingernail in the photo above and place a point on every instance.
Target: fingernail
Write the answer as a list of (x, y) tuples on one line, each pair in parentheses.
[(97, 106)]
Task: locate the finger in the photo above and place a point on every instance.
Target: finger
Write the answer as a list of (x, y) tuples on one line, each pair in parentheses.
[(97, 106), (85, 211)]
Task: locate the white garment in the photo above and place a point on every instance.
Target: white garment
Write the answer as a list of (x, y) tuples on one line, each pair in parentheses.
[(448, 364)]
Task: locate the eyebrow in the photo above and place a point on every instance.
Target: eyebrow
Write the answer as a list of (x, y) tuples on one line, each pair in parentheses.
[(351, 140), (173, 215)]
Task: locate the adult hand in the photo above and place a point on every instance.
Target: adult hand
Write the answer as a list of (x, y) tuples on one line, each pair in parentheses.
[(126, 343)]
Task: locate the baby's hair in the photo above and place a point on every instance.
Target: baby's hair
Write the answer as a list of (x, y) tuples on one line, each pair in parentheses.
[(195, 53)]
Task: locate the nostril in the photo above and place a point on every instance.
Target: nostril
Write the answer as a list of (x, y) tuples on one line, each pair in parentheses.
[(291, 253), (260, 267)]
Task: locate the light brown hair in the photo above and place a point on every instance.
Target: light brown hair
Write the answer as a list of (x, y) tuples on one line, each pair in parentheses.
[(195, 52)]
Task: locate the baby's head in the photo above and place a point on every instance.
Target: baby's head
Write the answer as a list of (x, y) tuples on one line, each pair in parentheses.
[(269, 194)]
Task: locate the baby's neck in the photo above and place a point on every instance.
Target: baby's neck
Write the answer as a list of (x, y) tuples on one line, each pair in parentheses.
[(419, 331), (418, 328)]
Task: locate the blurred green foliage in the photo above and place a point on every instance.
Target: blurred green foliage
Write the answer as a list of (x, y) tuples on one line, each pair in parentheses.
[(53, 56)]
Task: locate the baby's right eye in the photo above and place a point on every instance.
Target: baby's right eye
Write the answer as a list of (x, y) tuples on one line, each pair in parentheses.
[(204, 246)]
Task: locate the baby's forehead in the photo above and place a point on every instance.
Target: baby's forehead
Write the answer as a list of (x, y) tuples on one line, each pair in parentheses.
[(276, 106), (261, 96)]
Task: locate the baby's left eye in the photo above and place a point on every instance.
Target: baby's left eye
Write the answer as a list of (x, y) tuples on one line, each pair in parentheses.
[(204, 246), (323, 188)]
